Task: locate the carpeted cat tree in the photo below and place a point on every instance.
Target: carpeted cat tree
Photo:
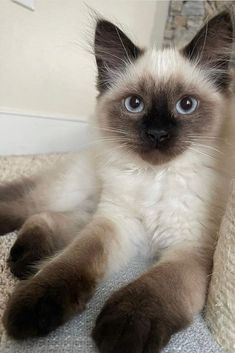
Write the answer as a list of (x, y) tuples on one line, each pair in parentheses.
[(220, 311)]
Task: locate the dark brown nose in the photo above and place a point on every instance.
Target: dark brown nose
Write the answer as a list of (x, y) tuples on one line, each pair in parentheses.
[(157, 136)]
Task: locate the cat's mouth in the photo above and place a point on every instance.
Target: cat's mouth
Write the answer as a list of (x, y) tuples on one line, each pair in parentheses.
[(159, 153)]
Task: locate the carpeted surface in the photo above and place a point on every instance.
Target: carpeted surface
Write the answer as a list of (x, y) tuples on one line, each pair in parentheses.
[(75, 335), (221, 299)]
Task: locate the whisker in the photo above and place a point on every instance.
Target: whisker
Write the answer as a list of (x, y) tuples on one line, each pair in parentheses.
[(209, 147), (206, 137), (128, 57), (112, 55), (202, 153)]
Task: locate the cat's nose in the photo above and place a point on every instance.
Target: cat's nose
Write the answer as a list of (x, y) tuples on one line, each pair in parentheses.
[(157, 136)]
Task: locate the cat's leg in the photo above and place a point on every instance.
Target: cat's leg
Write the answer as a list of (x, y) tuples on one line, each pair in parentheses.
[(142, 316), (63, 187), (64, 285), (15, 206), (41, 236), (50, 207)]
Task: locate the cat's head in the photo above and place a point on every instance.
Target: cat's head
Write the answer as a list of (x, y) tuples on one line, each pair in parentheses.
[(158, 103)]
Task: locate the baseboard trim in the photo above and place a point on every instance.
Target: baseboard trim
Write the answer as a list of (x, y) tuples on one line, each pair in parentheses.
[(22, 134)]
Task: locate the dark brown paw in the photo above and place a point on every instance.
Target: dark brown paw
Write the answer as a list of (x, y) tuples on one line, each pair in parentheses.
[(32, 245), (22, 259), (134, 320), (35, 309), (47, 300)]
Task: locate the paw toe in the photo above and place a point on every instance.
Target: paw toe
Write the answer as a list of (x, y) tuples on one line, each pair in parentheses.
[(22, 258), (20, 261), (16, 252), (121, 332)]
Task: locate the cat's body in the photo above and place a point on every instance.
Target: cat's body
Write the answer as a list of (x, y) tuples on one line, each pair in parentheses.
[(164, 194)]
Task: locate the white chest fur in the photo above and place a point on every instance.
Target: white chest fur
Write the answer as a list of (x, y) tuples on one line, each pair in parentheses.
[(181, 201)]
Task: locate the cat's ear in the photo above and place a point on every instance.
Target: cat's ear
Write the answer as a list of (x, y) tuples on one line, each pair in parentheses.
[(113, 51), (212, 48)]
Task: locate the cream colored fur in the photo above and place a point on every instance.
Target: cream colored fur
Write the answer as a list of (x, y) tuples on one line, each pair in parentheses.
[(180, 202)]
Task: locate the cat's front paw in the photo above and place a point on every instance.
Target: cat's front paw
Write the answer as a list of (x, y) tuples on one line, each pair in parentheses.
[(21, 260), (35, 309), (135, 320), (44, 302), (32, 245)]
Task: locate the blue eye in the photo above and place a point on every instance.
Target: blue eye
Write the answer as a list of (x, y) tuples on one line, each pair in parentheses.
[(134, 104), (186, 105)]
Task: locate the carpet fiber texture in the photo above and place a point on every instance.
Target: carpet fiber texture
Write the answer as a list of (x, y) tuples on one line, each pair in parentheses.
[(220, 312)]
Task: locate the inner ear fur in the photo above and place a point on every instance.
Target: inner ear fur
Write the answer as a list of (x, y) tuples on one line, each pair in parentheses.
[(113, 51)]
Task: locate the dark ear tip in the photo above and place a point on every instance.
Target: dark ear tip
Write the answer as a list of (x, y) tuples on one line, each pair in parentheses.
[(226, 17), (104, 25)]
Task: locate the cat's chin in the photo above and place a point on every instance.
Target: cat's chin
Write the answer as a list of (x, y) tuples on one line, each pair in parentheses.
[(156, 157)]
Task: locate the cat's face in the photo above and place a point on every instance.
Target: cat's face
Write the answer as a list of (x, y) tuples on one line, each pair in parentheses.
[(160, 103)]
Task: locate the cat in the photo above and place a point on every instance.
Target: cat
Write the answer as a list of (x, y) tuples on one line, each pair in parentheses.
[(156, 179)]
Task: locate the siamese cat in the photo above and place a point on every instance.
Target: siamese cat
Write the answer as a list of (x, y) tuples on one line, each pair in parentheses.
[(156, 180)]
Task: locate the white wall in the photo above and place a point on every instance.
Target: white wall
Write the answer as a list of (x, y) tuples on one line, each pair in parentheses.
[(45, 68)]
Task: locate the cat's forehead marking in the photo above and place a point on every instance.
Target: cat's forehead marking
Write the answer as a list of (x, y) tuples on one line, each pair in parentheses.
[(167, 69), (163, 71), (165, 65)]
